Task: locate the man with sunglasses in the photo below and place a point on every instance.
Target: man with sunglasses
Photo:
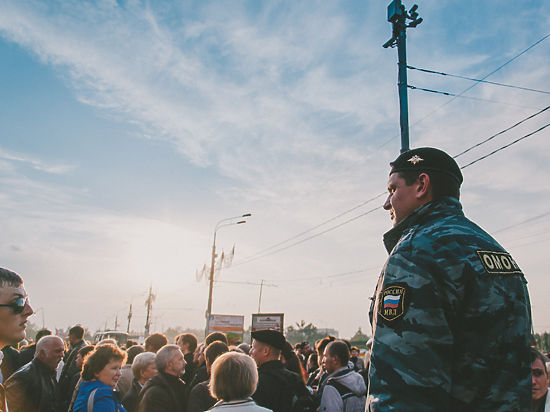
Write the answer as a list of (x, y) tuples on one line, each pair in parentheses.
[(14, 312)]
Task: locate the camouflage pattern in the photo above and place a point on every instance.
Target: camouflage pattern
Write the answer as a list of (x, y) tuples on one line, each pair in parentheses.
[(454, 333)]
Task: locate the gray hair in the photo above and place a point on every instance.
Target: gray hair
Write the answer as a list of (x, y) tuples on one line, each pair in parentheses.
[(165, 355), (45, 344), (142, 362)]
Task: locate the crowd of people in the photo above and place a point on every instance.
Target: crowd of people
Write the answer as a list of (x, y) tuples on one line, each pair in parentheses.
[(451, 331)]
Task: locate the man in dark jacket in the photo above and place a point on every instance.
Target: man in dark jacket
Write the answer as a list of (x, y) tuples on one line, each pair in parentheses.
[(77, 342), (27, 353), (165, 392), (278, 387), (32, 388)]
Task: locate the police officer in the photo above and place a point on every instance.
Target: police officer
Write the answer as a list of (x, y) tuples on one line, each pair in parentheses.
[(278, 388), (451, 314)]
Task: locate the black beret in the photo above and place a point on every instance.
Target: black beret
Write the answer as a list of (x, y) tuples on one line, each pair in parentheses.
[(270, 337), (427, 159)]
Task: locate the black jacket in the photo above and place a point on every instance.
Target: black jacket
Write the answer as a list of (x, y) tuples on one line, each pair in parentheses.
[(163, 393), (32, 388), (277, 386), (200, 399), (66, 382), (130, 400)]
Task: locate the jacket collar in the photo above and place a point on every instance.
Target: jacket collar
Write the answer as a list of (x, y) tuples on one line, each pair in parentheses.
[(433, 210)]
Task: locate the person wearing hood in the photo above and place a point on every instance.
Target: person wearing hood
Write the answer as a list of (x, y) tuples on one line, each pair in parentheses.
[(100, 375), (344, 389)]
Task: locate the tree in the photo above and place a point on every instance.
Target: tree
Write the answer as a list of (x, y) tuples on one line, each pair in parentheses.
[(303, 332)]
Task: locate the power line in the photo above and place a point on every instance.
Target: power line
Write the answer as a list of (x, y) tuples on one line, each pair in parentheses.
[(506, 146), (465, 97), (472, 86), (478, 80), (523, 222), (501, 132), (316, 226), (308, 238)]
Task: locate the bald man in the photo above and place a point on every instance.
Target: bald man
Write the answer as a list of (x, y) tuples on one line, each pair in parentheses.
[(32, 387)]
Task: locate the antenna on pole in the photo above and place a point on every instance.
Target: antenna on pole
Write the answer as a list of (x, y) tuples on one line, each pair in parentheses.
[(398, 16), (129, 319)]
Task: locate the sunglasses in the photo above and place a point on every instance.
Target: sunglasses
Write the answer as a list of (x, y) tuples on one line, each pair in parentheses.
[(17, 306)]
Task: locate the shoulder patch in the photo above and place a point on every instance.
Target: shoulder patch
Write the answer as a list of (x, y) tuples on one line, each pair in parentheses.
[(498, 262), (393, 302)]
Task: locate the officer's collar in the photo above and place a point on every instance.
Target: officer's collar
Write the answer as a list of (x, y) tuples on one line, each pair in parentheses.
[(430, 211)]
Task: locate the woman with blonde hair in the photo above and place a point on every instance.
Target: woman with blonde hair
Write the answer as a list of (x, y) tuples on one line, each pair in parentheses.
[(233, 380)]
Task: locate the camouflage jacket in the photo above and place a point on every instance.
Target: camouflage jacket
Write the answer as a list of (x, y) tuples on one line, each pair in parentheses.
[(451, 319)]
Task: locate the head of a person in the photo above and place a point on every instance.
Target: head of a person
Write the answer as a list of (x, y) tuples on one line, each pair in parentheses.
[(234, 376), (41, 333), (130, 343), (132, 352), (76, 334), (82, 352), (103, 364), (169, 360), (245, 347), (354, 351), (144, 367), (266, 346), (107, 341), (419, 176), (14, 308), (336, 356), (214, 336), (212, 351), (540, 375), (312, 363), (154, 342), (321, 345), (187, 342), (50, 350)]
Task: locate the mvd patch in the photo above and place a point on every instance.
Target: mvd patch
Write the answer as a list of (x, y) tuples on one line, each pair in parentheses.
[(498, 262), (393, 302)]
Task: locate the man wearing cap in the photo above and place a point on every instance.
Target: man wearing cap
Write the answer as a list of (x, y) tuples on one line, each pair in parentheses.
[(451, 315), (277, 387)]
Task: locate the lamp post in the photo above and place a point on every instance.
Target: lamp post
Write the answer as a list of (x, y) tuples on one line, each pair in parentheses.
[(222, 223)]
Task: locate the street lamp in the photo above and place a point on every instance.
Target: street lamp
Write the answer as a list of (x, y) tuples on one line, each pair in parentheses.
[(222, 223)]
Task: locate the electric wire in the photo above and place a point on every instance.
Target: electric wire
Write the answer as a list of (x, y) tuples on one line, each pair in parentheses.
[(308, 238), (501, 132), (523, 222), (478, 80), (472, 86), (316, 226), (410, 86), (506, 146)]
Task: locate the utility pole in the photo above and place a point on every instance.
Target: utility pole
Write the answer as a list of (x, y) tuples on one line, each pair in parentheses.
[(398, 16), (129, 319), (116, 322), (149, 305), (260, 298)]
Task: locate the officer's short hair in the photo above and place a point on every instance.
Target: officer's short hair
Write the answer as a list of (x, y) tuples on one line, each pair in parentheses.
[(234, 376), (442, 184), (165, 355), (77, 331), (142, 362), (41, 333), (9, 278), (340, 350)]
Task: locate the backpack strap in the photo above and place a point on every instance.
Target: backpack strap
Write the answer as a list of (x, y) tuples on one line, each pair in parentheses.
[(91, 400), (342, 389)]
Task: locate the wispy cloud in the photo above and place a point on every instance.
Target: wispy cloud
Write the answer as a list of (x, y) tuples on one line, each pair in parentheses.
[(35, 163)]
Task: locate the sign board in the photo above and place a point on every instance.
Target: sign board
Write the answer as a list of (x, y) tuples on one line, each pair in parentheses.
[(231, 325), (274, 321)]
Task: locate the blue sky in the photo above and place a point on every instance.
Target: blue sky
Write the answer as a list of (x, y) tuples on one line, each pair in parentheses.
[(130, 128)]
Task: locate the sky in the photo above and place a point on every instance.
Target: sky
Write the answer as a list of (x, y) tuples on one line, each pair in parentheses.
[(130, 128)]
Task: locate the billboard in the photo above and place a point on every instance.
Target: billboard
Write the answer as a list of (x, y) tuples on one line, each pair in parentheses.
[(274, 321), (231, 325)]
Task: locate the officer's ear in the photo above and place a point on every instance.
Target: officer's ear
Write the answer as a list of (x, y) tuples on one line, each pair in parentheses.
[(423, 188)]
